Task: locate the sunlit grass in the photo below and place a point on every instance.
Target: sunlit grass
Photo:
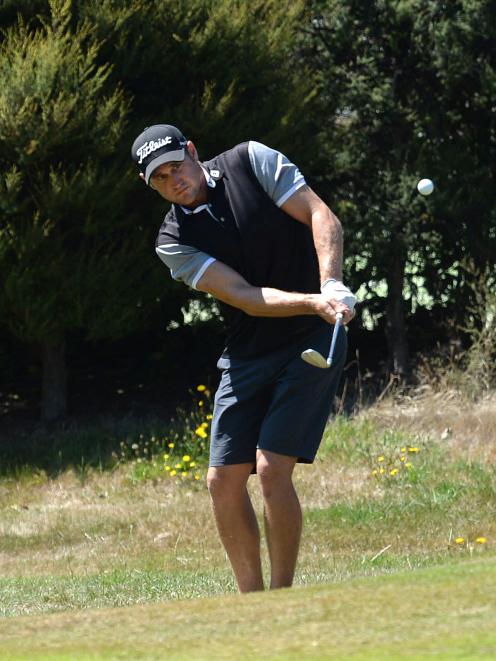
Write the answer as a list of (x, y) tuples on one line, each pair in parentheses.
[(446, 612)]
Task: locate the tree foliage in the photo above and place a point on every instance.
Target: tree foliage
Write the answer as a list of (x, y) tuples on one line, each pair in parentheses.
[(366, 98), (79, 80), (405, 90), (68, 257)]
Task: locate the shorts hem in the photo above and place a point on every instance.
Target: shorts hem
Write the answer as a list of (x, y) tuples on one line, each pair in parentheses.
[(300, 459)]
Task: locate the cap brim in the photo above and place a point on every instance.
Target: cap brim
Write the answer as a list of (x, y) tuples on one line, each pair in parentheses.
[(169, 156)]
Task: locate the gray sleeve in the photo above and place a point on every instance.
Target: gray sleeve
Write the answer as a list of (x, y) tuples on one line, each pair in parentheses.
[(186, 263), (277, 175)]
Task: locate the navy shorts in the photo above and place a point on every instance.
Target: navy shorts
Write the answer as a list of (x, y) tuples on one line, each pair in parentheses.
[(277, 402)]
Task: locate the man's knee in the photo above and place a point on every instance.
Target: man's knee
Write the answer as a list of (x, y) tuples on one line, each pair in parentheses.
[(227, 482), (275, 473), (217, 483)]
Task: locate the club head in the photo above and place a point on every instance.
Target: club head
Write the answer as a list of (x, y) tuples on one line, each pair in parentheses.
[(315, 358)]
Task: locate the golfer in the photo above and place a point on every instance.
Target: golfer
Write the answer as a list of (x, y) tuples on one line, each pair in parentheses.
[(245, 228)]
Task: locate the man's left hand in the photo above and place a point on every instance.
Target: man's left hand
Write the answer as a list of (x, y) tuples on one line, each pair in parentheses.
[(337, 291)]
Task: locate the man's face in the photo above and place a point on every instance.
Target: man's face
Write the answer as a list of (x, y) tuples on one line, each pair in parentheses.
[(181, 182)]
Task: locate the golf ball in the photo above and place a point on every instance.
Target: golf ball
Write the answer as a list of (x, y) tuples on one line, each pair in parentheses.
[(425, 186)]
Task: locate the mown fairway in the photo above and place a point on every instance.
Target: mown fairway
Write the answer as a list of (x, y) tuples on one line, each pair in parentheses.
[(397, 559), (443, 613)]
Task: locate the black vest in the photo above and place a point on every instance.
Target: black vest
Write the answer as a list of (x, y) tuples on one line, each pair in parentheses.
[(258, 240)]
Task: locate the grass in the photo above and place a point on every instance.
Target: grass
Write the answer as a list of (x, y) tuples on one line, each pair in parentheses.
[(384, 508), (445, 613)]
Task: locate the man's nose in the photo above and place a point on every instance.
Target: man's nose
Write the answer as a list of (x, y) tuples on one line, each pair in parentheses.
[(177, 181)]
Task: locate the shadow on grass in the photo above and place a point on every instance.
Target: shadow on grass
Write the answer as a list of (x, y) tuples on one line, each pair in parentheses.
[(80, 445)]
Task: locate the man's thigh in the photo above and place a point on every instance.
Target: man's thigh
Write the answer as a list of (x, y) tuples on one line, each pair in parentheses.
[(278, 403), (240, 405), (301, 402)]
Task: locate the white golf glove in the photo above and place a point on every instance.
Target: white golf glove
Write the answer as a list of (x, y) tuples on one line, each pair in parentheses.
[(337, 290)]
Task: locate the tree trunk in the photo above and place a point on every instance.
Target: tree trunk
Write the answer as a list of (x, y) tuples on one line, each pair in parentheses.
[(398, 353), (54, 385)]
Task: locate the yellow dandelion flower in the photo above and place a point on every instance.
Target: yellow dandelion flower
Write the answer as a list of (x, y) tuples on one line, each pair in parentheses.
[(167, 468), (170, 445), (459, 540), (481, 540), (381, 458), (209, 416), (204, 425), (200, 431), (402, 458), (197, 476), (192, 464), (408, 464), (413, 450), (166, 456), (374, 472), (178, 466), (184, 473), (200, 403), (402, 449), (186, 457), (382, 471), (394, 471), (201, 388), (172, 473)]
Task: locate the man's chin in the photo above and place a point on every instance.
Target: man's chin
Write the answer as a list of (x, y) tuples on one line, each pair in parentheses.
[(187, 199)]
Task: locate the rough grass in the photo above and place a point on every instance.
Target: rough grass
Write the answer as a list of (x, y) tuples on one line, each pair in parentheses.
[(111, 538)]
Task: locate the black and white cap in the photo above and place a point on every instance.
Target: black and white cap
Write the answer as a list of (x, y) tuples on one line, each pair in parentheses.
[(158, 144)]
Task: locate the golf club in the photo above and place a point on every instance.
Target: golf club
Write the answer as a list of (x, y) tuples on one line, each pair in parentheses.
[(315, 358)]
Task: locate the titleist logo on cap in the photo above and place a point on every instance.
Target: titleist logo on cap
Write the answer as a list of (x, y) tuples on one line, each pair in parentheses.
[(151, 146)]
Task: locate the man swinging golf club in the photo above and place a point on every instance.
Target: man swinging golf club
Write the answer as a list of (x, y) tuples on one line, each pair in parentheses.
[(246, 228)]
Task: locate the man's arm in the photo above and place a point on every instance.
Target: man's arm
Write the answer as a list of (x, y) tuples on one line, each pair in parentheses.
[(307, 207), (225, 284), (204, 273)]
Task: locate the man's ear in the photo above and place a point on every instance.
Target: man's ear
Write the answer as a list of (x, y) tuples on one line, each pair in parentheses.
[(142, 176), (192, 151)]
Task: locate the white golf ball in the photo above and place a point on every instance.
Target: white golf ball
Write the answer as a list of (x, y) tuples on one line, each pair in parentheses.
[(425, 186)]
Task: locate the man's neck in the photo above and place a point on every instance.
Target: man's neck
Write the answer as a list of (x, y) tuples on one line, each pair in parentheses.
[(202, 198)]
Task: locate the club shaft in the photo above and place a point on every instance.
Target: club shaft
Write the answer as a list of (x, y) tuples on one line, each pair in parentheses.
[(339, 316)]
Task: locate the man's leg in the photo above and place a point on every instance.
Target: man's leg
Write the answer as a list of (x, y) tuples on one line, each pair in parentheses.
[(237, 523), (282, 513)]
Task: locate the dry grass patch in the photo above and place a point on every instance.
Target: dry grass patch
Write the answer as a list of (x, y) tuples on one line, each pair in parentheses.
[(328, 481), (467, 428), (60, 526)]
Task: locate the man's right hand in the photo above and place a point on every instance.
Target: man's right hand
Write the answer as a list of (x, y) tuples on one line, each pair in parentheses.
[(328, 308)]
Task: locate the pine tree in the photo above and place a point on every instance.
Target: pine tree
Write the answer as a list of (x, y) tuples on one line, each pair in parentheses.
[(70, 261)]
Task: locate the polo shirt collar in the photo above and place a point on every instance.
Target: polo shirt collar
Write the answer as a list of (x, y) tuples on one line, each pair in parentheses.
[(211, 176)]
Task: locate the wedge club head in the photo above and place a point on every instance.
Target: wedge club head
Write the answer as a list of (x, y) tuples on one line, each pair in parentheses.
[(313, 357)]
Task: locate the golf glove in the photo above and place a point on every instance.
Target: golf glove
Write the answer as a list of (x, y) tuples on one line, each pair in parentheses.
[(337, 290)]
